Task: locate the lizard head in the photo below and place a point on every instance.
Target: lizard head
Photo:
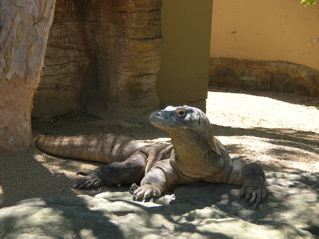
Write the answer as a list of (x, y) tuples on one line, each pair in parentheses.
[(179, 118)]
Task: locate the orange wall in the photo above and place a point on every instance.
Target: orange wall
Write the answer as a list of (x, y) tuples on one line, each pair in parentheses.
[(266, 30)]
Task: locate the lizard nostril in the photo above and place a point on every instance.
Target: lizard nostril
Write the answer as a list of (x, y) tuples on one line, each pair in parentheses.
[(158, 114)]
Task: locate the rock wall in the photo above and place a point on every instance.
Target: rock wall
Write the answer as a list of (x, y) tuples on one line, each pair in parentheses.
[(264, 75), (102, 57)]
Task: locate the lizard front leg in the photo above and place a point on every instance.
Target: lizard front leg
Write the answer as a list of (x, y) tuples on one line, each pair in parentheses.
[(254, 185), (160, 178), (253, 181)]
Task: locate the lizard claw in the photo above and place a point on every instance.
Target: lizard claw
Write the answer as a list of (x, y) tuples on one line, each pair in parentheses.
[(144, 192), (254, 185), (253, 195), (91, 181), (133, 188)]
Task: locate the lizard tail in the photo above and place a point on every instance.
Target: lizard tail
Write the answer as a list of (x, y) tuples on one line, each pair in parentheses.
[(99, 148)]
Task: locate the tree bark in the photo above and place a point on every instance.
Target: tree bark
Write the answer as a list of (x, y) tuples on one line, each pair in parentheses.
[(24, 30)]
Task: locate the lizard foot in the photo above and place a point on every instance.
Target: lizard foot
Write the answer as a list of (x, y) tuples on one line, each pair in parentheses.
[(87, 182), (253, 195), (254, 185), (144, 192)]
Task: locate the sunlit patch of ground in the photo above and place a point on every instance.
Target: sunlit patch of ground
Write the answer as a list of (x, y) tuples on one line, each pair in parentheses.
[(270, 110), (280, 131)]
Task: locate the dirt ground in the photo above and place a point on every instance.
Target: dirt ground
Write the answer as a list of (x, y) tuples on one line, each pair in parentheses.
[(279, 131)]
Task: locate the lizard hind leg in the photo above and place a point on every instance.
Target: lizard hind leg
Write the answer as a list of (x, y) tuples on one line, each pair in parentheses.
[(129, 171)]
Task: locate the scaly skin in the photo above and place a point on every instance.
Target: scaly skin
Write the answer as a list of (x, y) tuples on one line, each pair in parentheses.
[(195, 155)]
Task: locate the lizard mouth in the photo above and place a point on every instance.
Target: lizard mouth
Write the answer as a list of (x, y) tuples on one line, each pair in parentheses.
[(169, 118), (162, 119), (177, 118), (156, 118)]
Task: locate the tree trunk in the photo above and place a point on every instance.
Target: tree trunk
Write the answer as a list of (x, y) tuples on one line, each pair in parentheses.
[(24, 30)]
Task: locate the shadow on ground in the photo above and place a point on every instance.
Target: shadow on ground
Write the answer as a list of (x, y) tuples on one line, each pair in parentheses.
[(199, 210), (275, 149)]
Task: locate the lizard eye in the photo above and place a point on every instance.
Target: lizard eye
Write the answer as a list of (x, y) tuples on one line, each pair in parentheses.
[(181, 112)]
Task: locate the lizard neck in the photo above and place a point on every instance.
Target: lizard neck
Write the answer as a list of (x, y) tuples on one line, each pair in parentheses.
[(193, 154)]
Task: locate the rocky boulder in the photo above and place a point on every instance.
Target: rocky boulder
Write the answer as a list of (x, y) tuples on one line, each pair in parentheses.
[(202, 210), (264, 76)]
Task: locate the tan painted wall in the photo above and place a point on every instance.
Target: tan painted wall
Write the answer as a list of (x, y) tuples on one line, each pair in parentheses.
[(183, 76), (266, 30)]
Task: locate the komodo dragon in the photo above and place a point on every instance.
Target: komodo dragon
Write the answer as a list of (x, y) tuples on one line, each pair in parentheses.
[(194, 155)]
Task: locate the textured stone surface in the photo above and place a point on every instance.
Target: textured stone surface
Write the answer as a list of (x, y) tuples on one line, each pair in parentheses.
[(264, 75), (103, 57), (193, 211)]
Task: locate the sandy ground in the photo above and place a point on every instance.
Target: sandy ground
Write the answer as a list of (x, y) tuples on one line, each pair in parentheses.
[(280, 131)]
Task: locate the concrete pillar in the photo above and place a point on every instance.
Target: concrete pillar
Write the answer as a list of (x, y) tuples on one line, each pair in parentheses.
[(186, 29)]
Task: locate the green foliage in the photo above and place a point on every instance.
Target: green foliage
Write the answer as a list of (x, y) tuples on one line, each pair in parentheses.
[(308, 2)]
